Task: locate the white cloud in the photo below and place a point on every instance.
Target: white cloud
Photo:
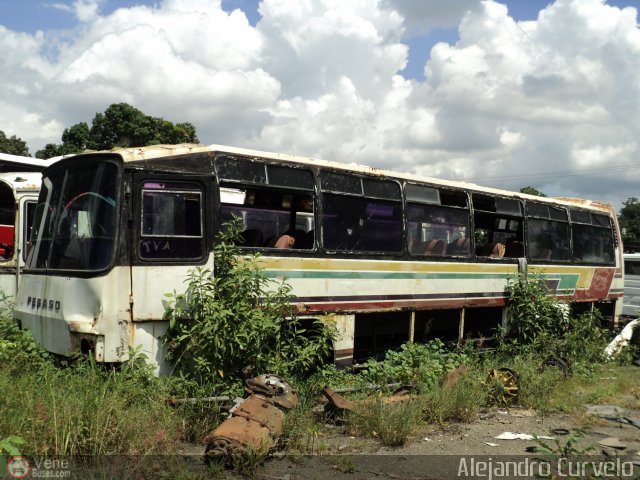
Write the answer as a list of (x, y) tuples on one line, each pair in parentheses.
[(321, 78)]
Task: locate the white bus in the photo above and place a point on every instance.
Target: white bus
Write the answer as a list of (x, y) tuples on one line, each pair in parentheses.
[(388, 257)]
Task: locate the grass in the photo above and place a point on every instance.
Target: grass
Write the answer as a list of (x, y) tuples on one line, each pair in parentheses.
[(85, 409)]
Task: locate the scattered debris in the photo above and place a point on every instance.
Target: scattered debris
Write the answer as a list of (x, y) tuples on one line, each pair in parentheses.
[(559, 363), (505, 384), (560, 431), (622, 340), (521, 436), (612, 442), (604, 410), (338, 403), (256, 422), (492, 444)]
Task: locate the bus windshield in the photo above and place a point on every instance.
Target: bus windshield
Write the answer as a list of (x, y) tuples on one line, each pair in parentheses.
[(74, 226)]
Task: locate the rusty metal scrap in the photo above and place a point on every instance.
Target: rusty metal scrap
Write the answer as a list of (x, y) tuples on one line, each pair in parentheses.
[(256, 422), (338, 403)]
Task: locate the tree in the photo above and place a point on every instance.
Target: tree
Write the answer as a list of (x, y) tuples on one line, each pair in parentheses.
[(629, 220), (532, 191), (121, 125), (13, 145)]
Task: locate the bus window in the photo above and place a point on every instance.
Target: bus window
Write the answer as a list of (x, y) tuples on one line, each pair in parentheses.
[(274, 202), (28, 214), (269, 215), (592, 237), (7, 221), (547, 232), (498, 227), (75, 219), (171, 221), (360, 215), (437, 222)]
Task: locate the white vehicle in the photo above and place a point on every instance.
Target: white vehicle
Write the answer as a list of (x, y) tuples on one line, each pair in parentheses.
[(388, 257), (631, 302)]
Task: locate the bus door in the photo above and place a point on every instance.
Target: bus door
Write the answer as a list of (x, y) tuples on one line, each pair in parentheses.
[(169, 239), (24, 222)]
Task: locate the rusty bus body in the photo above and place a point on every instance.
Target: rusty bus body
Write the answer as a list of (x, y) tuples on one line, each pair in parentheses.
[(387, 257)]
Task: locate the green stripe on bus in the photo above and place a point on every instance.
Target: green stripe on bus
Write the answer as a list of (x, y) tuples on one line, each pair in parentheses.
[(567, 281)]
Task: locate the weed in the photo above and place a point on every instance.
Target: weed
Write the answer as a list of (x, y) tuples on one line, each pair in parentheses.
[(459, 402), (418, 364), (564, 449), (392, 423), (10, 444)]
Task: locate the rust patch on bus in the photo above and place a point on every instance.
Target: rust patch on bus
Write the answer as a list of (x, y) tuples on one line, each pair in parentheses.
[(600, 285)]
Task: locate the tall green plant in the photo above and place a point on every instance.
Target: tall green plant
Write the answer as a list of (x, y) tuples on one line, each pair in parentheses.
[(238, 317), (533, 310), (541, 324)]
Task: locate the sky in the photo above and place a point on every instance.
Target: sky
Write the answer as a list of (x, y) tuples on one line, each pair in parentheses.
[(507, 93)]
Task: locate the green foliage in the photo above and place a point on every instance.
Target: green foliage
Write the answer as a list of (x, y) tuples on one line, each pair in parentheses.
[(458, 402), (86, 409), (533, 310), (532, 191), (237, 318), (540, 324), (629, 219), (392, 423), (9, 445), (419, 364), (13, 145), (18, 348), (121, 125), (565, 449)]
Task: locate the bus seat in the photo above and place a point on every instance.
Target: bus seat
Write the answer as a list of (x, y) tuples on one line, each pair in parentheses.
[(493, 250), (6, 234), (251, 237), (498, 250), (514, 249), (298, 235), (285, 241), (459, 247), (436, 248)]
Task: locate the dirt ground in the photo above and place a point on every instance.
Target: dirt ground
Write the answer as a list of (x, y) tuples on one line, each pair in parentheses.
[(435, 452)]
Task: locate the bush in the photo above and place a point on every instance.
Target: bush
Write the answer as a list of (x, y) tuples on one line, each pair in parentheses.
[(541, 325), (238, 318), (419, 364)]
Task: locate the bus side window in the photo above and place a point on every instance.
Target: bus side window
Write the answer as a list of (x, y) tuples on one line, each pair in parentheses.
[(437, 222), (172, 226), (592, 237), (361, 214), (499, 226), (272, 218)]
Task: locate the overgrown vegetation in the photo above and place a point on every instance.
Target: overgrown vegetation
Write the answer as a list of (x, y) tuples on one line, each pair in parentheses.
[(239, 318)]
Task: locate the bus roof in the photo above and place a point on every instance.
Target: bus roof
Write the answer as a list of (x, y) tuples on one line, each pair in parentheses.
[(136, 154), (17, 163)]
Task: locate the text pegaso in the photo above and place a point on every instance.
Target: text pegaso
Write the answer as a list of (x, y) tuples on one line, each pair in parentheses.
[(43, 304)]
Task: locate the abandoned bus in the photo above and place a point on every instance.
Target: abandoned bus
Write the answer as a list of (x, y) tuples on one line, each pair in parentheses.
[(388, 257)]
